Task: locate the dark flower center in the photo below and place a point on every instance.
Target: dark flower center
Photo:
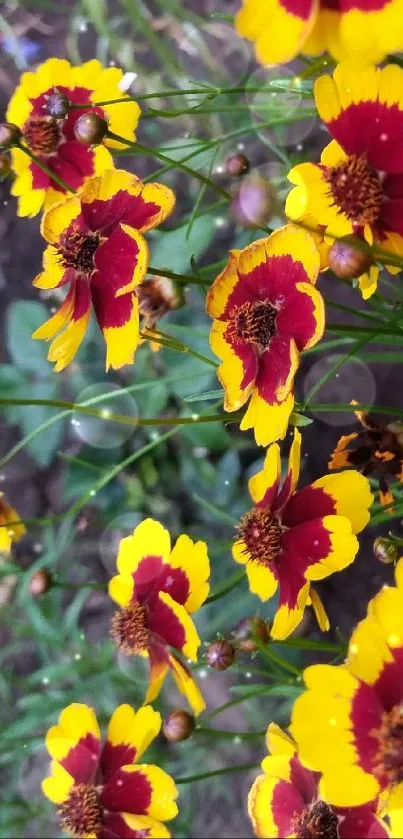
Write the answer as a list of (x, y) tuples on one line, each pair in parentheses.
[(254, 323), (76, 250), (389, 758), (81, 813), (317, 821), (261, 531), (42, 135), (129, 629), (356, 189)]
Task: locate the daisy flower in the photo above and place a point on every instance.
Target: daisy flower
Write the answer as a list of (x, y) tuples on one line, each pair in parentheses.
[(291, 538), (157, 590), (349, 722), (357, 188), (101, 791), (266, 310), (52, 140), (285, 800), (354, 30), (97, 249)]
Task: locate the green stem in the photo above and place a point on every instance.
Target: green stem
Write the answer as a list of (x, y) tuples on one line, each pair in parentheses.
[(214, 732), (274, 658), (179, 278), (176, 164), (122, 418), (244, 767), (48, 170), (64, 584), (307, 644), (177, 345), (223, 589), (190, 91)]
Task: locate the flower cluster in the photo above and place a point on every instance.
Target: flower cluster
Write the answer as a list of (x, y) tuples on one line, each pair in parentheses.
[(340, 773)]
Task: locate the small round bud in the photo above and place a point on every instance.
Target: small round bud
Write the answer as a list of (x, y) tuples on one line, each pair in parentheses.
[(249, 630), (179, 725), (40, 582), (90, 129), (348, 261), (237, 165), (58, 105), (385, 551), (10, 135), (5, 166), (220, 654), (254, 202)]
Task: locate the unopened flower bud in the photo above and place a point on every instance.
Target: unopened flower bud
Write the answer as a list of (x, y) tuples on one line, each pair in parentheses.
[(179, 725), (58, 105), (40, 582), (220, 654), (10, 135), (5, 166), (237, 165), (90, 129), (253, 204), (347, 260), (385, 551), (249, 630)]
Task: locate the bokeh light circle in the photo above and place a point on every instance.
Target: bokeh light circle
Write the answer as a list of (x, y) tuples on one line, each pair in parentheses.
[(275, 95), (100, 431), (352, 380), (116, 530)]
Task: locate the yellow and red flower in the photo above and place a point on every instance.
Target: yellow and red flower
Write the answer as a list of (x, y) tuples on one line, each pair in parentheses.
[(349, 722), (10, 530), (266, 310), (357, 188), (96, 247), (157, 590), (52, 140), (285, 800), (354, 30), (101, 791), (291, 537), (377, 450)]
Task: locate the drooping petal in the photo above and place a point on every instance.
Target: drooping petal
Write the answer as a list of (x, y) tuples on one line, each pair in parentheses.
[(192, 559), (187, 684), (75, 742), (263, 486), (239, 366), (65, 346), (128, 826), (142, 790), (292, 477), (278, 741), (294, 594), (129, 735), (262, 580), (319, 609), (159, 665), (170, 621), (269, 421)]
